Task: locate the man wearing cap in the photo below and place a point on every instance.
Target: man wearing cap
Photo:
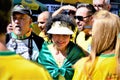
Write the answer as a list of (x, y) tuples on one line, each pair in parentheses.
[(22, 40), (12, 65), (59, 55)]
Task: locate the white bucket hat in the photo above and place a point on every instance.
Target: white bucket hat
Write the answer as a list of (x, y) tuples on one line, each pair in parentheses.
[(60, 27)]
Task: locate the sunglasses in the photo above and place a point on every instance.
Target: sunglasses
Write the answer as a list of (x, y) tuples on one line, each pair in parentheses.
[(41, 22), (98, 5), (81, 18)]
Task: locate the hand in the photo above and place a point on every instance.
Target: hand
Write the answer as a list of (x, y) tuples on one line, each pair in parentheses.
[(68, 7)]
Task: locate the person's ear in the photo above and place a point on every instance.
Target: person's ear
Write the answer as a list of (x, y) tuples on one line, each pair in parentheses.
[(91, 20), (30, 20), (109, 7)]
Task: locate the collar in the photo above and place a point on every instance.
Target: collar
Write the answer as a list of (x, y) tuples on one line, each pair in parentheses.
[(107, 55), (6, 53), (23, 36)]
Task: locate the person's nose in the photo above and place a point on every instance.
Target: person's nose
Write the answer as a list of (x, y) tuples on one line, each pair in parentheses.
[(39, 25), (61, 37), (17, 21), (97, 8), (77, 21)]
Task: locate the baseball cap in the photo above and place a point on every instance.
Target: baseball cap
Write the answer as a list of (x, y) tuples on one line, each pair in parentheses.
[(21, 9)]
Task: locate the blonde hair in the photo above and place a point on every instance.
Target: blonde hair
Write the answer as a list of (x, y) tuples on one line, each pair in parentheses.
[(106, 28), (105, 35)]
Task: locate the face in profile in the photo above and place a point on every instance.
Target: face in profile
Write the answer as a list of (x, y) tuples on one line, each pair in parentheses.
[(82, 18), (42, 20)]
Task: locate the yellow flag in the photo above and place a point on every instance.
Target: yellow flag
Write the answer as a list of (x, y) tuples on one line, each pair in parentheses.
[(86, 1), (32, 4), (74, 1)]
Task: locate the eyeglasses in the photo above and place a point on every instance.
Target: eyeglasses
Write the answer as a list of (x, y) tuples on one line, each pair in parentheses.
[(81, 18), (98, 5)]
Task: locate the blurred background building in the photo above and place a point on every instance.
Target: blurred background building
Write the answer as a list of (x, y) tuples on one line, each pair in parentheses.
[(115, 6)]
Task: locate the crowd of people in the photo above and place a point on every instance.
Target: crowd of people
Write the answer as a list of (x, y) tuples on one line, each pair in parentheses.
[(82, 44)]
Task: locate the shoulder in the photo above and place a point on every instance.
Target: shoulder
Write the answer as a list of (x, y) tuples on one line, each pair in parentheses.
[(8, 37), (36, 36), (80, 62), (75, 47), (81, 33), (38, 40), (34, 70)]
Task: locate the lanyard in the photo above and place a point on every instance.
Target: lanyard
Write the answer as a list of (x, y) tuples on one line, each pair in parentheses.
[(30, 46)]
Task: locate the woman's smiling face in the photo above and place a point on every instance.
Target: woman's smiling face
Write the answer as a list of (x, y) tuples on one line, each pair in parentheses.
[(60, 41)]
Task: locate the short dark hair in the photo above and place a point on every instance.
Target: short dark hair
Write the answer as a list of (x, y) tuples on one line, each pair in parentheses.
[(90, 7), (5, 8)]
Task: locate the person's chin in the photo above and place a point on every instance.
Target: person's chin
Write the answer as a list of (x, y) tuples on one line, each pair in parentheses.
[(18, 32), (80, 29)]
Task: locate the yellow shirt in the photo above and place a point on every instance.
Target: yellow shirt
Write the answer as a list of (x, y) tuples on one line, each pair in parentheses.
[(74, 35), (84, 44), (35, 28), (42, 34), (104, 68), (15, 67)]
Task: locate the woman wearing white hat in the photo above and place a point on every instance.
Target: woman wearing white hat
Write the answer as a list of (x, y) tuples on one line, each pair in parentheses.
[(60, 54)]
